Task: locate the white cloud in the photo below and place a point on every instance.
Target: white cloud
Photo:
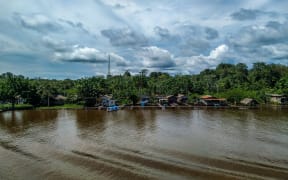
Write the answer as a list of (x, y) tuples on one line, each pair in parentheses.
[(194, 64), (37, 22), (277, 51), (155, 57), (218, 52), (119, 60), (82, 54)]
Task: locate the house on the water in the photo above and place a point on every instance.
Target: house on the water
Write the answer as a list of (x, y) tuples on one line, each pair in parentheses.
[(172, 99), (249, 102), (144, 100), (107, 101), (277, 98), (208, 100), (59, 100), (182, 99)]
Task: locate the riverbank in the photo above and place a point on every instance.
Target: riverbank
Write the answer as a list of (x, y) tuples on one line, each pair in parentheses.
[(8, 107), (65, 106), (137, 107)]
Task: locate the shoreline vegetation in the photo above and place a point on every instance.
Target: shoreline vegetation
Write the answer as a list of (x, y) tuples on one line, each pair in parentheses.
[(230, 85)]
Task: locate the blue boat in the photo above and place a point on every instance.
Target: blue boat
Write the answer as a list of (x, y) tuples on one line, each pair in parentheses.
[(112, 108)]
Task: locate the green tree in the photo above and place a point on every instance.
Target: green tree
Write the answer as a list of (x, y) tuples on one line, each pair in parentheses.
[(13, 87), (91, 88)]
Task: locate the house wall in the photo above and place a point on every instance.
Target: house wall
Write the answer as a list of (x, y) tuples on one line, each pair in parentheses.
[(276, 100)]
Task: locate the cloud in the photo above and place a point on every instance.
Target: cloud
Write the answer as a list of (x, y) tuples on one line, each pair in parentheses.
[(211, 33), (218, 52), (184, 36), (198, 31), (162, 32), (277, 51), (10, 44), (88, 55), (261, 42), (44, 24), (56, 45), (245, 14), (251, 14), (186, 39), (37, 22), (155, 57), (75, 25), (271, 33), (119, 60), (82, 54), (194, 64), (119, 6), (124, 37)]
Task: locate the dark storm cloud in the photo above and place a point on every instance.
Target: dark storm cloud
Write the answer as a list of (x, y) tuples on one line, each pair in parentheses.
[(124, 37)]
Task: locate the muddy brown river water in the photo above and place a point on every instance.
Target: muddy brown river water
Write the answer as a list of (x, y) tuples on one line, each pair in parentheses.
[(144, 144)]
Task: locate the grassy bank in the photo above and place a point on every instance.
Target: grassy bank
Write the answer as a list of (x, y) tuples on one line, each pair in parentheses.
[(6, 107), (65, 106), (16, 107)]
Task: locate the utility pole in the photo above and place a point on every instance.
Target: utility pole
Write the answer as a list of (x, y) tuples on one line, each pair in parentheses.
[(109, 70)]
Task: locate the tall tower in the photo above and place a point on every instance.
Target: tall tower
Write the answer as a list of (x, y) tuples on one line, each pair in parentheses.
[(109, 70)]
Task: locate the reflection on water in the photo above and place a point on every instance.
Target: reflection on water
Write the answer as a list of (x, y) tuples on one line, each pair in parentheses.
[(20, 121), (144, 144)]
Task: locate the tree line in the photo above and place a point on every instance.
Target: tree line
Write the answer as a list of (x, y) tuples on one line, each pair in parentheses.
[(231, 81)]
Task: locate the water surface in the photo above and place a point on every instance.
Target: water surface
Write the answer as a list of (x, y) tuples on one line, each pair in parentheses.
[(144, 144)]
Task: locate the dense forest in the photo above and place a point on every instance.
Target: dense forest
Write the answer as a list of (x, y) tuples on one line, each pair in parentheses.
[(233, 82)]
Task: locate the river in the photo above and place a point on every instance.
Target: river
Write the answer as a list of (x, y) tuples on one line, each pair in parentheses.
[(144, 144)]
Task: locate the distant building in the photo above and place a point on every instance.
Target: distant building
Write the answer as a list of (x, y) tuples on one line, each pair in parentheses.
[(144, 100), (249, 102), (277, 98), (208, 100), (172, 99), (182, 99), (107, 101), (59, 100)]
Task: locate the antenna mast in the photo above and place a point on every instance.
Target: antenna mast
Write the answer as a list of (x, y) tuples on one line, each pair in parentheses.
[(109, 70)]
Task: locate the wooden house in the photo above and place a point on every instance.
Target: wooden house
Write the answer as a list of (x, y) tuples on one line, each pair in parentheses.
[(144, 100), (208, 100), (249, 102), (107, 101), (277, 98), (182, 99), (172, 99)]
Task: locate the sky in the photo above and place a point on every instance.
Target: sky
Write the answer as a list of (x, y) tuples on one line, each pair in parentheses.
[(73, 39)]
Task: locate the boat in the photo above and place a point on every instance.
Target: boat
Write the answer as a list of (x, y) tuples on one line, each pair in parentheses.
[(112, 108)]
